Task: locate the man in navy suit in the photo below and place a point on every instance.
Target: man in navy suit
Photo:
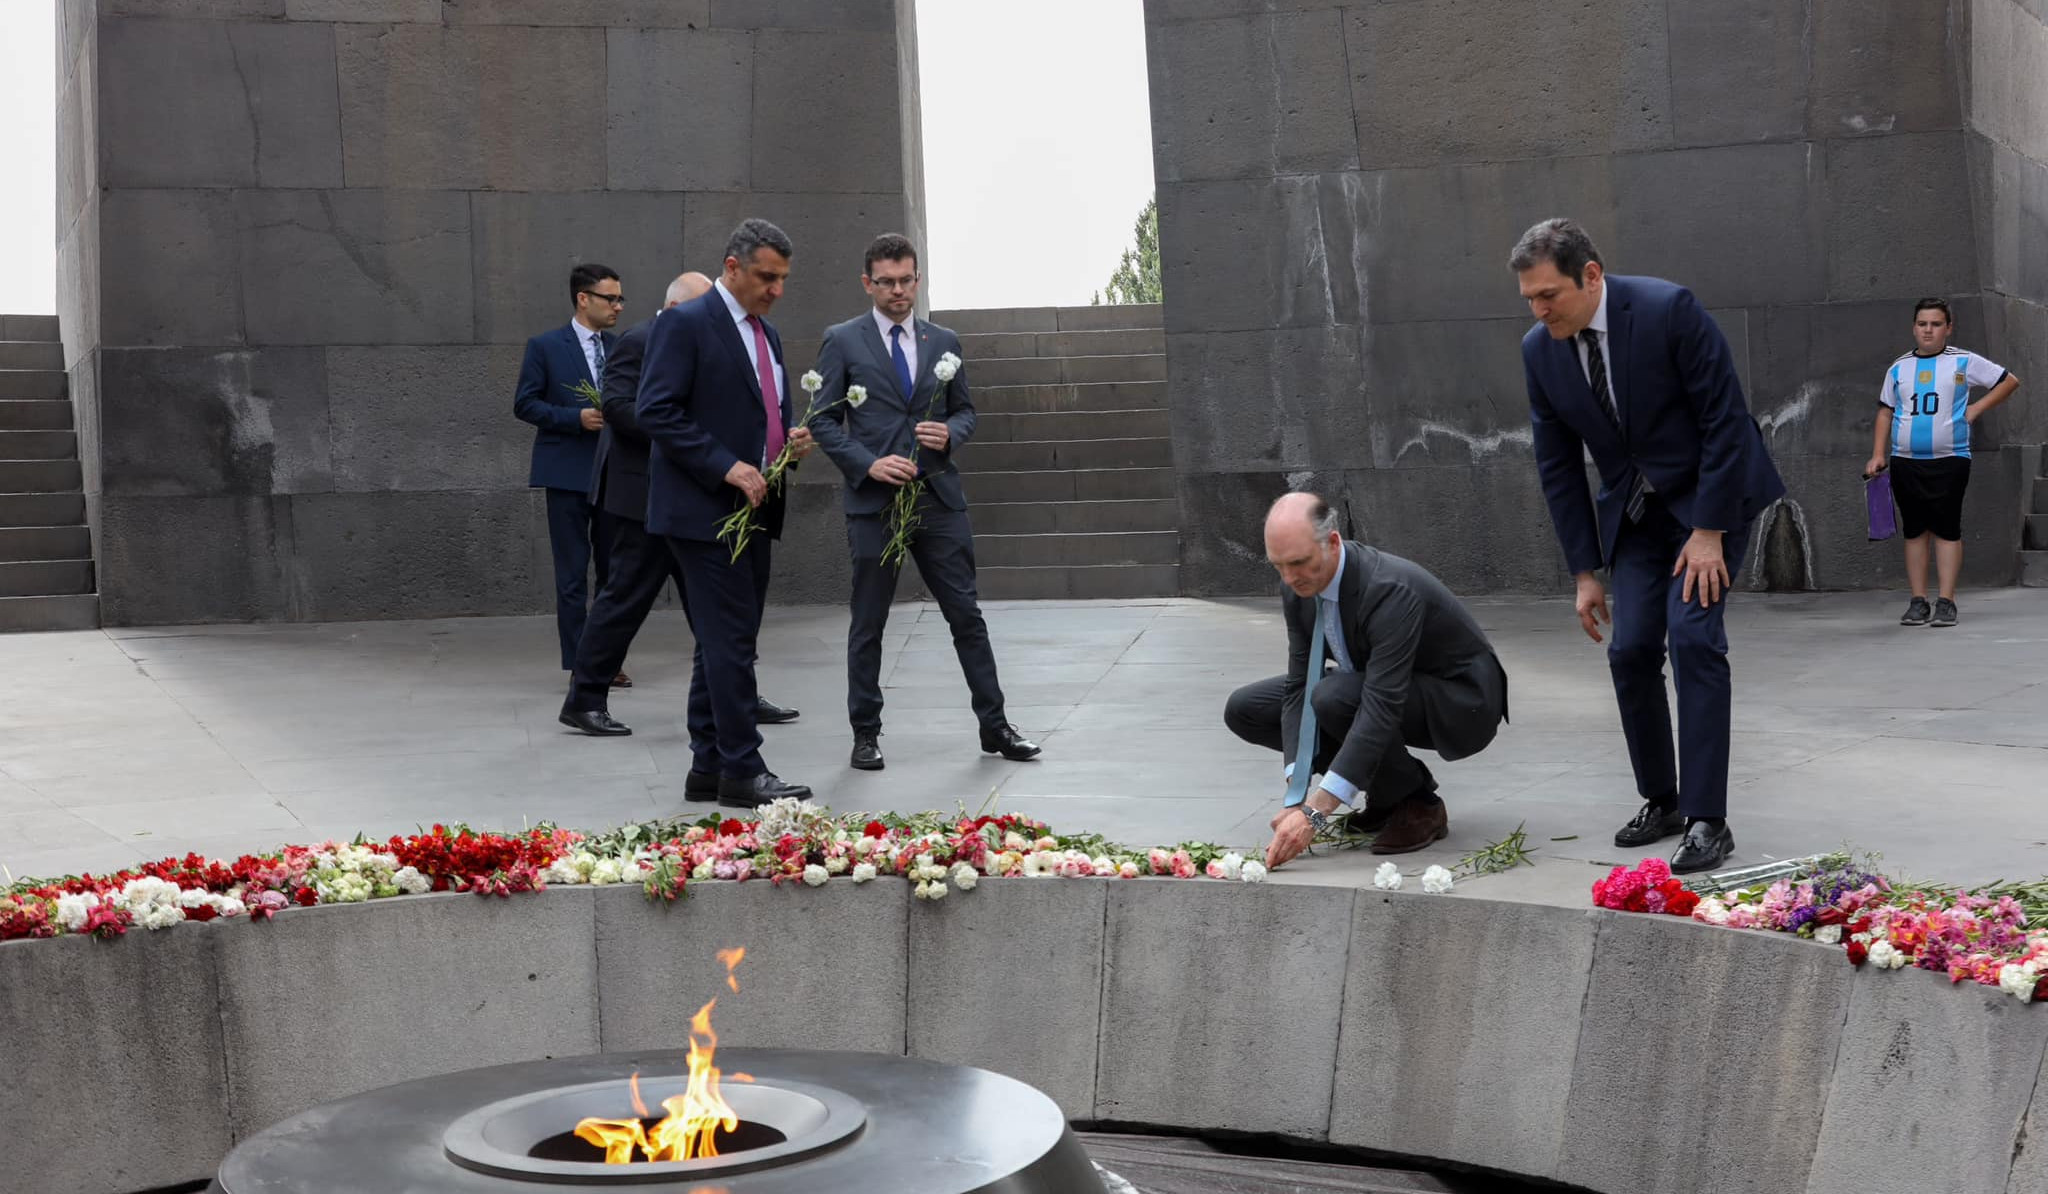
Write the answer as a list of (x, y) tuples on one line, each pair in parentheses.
[(565, 441), (1634, 371), (714, 405)]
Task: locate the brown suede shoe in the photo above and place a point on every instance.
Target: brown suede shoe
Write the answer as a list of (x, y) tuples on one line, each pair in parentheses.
[(1417, 821)]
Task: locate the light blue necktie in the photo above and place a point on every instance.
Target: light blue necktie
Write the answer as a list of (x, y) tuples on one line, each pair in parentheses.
[(902, 362), (1305, 750)]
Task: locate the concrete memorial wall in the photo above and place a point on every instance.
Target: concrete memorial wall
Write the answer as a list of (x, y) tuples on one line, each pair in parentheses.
[(1610, 1051), (303, 242), (1340, 182)]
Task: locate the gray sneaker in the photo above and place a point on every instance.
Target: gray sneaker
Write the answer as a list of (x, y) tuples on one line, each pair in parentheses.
[(1917, 613), (1944, 612)]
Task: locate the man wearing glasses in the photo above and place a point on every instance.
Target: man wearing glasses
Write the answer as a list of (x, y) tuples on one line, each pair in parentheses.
[(915, 416), (566, 424)]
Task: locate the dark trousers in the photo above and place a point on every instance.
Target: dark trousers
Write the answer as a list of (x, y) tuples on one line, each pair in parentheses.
[(1649, 621), (944, 553), (578, 533), (1253, 714), (640, 564), (723, 600)]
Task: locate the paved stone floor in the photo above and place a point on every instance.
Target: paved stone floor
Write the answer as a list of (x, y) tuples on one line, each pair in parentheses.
[(1930, 746)]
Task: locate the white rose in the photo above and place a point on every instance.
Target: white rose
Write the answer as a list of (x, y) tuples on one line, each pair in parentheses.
[(1436, 880), (812, 381), (1101, 865), (947, 366), (1387, 878), (815, 875), (855, 395), (1048, 843), (938, 891), (1016, 842), (864, 871), (1253, 872), (965, 877), (1233, 864), (1828, 934)]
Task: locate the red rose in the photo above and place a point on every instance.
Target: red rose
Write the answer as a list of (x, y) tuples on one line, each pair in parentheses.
[(731, 827), (1858, 953), (306, 897), (875, 829)]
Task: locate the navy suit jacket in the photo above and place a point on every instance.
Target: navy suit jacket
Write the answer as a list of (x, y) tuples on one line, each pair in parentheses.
[(562, 449), (618, 479), (853, 354), (700, 407), (1684, 423)]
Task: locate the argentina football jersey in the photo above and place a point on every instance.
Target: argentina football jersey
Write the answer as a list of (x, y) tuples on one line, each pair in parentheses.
[(1929, 397)]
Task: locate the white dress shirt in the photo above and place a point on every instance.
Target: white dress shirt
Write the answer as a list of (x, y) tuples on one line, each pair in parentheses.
[(593, 345), (746, 330), (909, 339)]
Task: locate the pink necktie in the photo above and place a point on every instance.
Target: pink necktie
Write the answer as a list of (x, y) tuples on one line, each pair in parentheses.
[(771, 398)]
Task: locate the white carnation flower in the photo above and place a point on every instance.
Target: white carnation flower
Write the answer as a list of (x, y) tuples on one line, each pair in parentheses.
[(1712, 911), (938, 890), (863, 871), (836, 864), (561, 871), (1828, 934), (965, 877), (1233, 864), (946, 367), (605, 873), (2018, 980), (1882, 953), (1436, 880), (73, 909), (815, 875), (411, 882), (159, 916), (1253, 872), (1387, 878), (230, 906), (702, 871), (855, 395), (812, 381)]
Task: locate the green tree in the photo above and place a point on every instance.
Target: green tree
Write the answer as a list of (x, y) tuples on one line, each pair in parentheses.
[(1136, 278)]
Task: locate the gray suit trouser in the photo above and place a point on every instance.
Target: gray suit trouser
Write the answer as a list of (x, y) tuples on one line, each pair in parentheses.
[(1253, 714)]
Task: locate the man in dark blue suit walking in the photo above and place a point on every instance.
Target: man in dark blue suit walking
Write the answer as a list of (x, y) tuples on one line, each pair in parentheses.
[(1634, 371), (714, 406), (565, 441)]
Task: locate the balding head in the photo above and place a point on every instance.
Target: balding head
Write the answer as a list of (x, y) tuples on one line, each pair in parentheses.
[(1302, 542), (686, 287)]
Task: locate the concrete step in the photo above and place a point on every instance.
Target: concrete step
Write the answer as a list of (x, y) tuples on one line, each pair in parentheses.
[(1114, 343), (1071, 485), (42, 509), (22, 414), (31, 354), (1067, 396), (1003, 427), (40, 476), (18, 544), (1061, 454), (61, 611), (1069, 550), (44, 578), (2034, 569), (28, 327), (2035, 534), (1038, 371), (2040, 491), (1107, 580), (34, 383), (1075, 518), (976, 321), (38, 445)]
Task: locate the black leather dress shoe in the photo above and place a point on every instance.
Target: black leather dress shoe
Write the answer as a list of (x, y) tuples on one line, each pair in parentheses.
[(595, 722), (867, 753), (700, 786), (1703, 849), (768, 713), (1004, 740), (1367, 820), (1653, 823), (757, 790)]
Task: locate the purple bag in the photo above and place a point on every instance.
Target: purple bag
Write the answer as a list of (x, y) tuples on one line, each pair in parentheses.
[(1877, 494)]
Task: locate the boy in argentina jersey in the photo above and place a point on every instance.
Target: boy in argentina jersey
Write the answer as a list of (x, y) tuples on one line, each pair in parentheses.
[(1923, 436)]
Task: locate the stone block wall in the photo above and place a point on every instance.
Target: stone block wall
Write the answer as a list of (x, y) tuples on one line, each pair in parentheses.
[(1340, 182), (302, 244)]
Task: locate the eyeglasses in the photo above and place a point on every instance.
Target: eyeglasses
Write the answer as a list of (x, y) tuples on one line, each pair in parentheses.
[(903, 283), (616, 300)]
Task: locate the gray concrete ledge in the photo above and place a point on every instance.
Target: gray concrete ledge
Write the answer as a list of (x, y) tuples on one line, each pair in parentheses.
[(1610, 1051)]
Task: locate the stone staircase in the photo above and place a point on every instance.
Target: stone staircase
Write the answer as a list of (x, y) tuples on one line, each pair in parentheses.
[(46, 567), (2034, 533), (1070, 476)]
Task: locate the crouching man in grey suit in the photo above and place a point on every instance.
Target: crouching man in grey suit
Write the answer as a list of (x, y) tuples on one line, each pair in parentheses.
[(1413, 670)]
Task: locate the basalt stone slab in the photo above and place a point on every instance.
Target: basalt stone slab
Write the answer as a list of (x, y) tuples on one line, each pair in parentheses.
[(1677, 1018), (1817, 368), (2008, 53), (1879, 243), (1432, 1063), (78, 138), (811, 564), (427, 418), (597, 13), (1953, 1068), (452, 554), (480, 982), (1449, 392), (1023, 960), (202, 422), (658, 964), (1161, 12), (828, 232), (853, 16), (168, 270), (356, 267), (662, 133), (379, 11), (826, 112), (1262, 253), (1182, 1044), (215, 9), (217, 104), (115, 1077), (1227, 556), (1882, 66), (182, 559), (1288, 399), (1676, 216), (526, 244), (1511, 550), (1756, 49), (431, 106), (2030, 1157), (1252, 97)]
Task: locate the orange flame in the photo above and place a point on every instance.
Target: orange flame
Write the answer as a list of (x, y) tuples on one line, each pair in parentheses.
[(695, 1116)]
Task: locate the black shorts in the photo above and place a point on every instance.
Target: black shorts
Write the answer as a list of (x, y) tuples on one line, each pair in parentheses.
[(1930, 495)]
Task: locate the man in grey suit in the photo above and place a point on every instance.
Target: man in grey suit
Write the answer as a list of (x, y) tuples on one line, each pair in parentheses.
[(1413, 670), (906, 430)]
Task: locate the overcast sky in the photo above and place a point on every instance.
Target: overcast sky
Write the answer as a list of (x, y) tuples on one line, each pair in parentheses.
[(1037, 148)]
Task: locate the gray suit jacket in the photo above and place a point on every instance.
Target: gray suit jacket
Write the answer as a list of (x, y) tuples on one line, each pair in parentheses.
[(853, 354), (1412, 640)]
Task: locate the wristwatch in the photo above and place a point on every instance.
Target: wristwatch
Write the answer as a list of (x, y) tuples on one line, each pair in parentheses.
[(1317, 819)]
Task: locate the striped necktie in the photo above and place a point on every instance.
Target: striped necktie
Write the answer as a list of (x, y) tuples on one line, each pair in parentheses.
[(1596, 369)]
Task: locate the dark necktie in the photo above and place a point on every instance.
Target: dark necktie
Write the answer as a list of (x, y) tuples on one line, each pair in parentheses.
[(597, 347), (1596, 367), (902, 362)]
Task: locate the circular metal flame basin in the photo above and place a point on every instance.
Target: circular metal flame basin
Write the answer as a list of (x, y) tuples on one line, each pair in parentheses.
[(850, 1123)]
